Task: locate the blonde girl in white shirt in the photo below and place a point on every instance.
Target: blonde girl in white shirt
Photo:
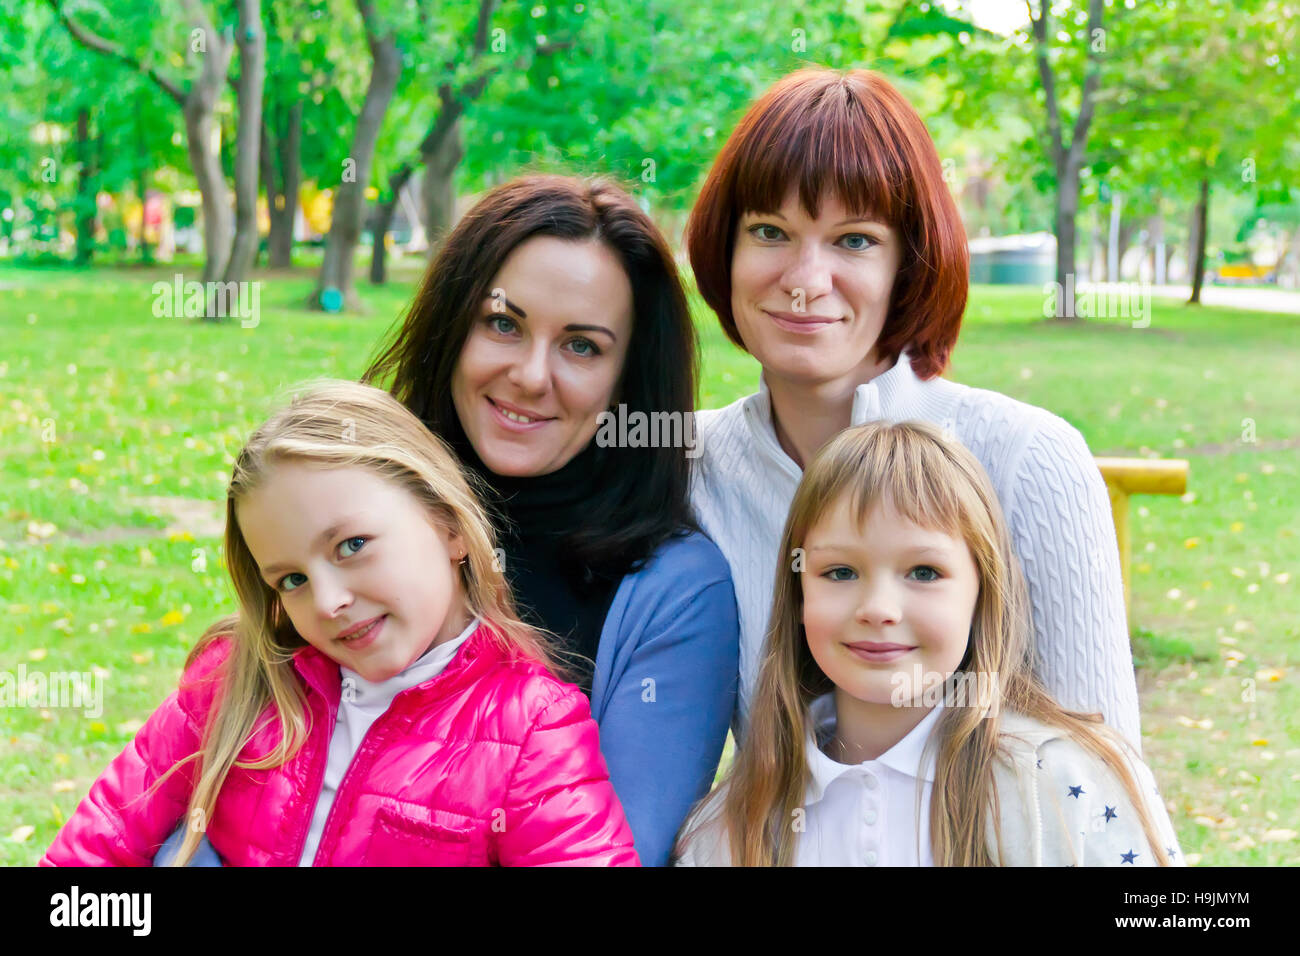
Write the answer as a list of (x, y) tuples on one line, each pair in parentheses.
[(897, 717)]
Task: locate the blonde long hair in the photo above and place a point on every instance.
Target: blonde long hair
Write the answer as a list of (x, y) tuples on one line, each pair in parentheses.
[(936, 483), (337, 424)]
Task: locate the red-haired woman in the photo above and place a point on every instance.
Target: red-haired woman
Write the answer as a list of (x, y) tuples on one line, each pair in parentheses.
[(827, 242)]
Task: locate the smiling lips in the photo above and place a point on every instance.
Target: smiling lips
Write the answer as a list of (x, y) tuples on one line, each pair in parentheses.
[(879, 652), (801, 321), (516, 415), (360, 634)]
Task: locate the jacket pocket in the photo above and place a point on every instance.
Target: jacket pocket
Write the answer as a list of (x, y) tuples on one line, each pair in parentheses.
[(400, 840)]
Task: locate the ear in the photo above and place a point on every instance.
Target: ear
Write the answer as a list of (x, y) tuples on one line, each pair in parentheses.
[(456, 546)]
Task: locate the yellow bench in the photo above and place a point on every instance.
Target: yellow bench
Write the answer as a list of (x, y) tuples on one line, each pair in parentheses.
[(1137, 476)]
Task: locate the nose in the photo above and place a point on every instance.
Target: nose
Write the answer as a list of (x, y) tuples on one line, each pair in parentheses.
[(531, 372), (880, 603), (331, 594), (809, 271)]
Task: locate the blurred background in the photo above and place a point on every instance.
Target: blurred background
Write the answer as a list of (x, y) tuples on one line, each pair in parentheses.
[(318, 150)]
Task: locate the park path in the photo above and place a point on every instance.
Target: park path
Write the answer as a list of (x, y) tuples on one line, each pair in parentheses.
[(1238, 297)]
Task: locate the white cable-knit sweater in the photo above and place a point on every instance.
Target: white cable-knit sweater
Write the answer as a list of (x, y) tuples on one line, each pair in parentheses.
[(1051, 492)]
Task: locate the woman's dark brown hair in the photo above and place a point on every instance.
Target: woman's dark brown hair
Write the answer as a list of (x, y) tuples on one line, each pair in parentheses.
[(854, 136), (643, 496)]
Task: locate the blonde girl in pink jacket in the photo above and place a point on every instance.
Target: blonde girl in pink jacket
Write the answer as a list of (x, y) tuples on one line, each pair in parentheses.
[(376, 700)]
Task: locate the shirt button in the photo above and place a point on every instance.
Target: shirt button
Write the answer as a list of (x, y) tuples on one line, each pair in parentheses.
[(871, 781), (870, 858), (871, 816)]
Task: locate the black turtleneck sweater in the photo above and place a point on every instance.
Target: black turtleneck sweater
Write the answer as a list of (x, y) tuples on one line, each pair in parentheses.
[(553, 591)]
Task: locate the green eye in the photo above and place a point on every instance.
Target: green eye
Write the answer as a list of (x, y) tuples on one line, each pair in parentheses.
[(757, 231), (295, 574), (833, 574), (493, 319)]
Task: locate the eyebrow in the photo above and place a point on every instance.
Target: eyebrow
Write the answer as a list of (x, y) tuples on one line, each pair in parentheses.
[(591, 328), (842, 222), (921, 551), (272, 569)]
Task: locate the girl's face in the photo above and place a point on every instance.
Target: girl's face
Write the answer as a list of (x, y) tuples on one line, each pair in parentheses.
[(886, 598), (342, 547), (810, 295), (544, 356)]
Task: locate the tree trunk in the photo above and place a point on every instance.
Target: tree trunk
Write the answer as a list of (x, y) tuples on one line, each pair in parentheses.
[(384, 221), (284, 205), (87, 205), (1157, 240), (438, 189), (1067, 211), (349, 201), (252, 78), (1200, 222), (201, 130)]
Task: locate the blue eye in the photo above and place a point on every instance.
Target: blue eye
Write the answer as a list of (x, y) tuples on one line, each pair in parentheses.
[(492, 319), (591, 348), (927, 573), (343, 544), (832, 574), (867, 242)]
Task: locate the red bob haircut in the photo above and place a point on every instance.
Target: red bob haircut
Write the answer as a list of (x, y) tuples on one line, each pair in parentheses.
[(854, 136)]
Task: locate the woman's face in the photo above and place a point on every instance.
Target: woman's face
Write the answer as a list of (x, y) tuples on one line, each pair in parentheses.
[(544, 356), (810, 295)]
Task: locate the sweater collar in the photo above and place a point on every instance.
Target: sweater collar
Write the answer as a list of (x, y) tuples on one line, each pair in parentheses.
[(554, 503), (894, 394)]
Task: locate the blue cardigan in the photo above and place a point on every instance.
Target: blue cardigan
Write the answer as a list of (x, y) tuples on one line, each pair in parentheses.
[(665, 686), (663, 692)]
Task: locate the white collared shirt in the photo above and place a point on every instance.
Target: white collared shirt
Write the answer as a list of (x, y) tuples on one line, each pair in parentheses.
[(360, 705), (866, 814), (1052, 494)]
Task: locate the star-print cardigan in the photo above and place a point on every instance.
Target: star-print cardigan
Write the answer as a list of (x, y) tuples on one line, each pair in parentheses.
[(1058, 806)]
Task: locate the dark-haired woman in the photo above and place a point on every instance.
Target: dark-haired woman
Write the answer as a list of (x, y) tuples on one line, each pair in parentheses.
[(552, 302), (828, 244)]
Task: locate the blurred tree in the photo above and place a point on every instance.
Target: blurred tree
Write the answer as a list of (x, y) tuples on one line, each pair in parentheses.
[(196, 96)]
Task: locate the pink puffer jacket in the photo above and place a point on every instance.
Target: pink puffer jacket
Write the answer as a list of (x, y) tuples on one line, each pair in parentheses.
[(491, 762)]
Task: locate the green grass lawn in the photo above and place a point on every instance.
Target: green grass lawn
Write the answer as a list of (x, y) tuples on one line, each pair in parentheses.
[(118, 429)]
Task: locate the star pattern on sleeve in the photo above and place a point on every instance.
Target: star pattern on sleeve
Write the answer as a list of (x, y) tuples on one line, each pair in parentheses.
[(1075, 791), (1110, 814), (1128, 857)]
